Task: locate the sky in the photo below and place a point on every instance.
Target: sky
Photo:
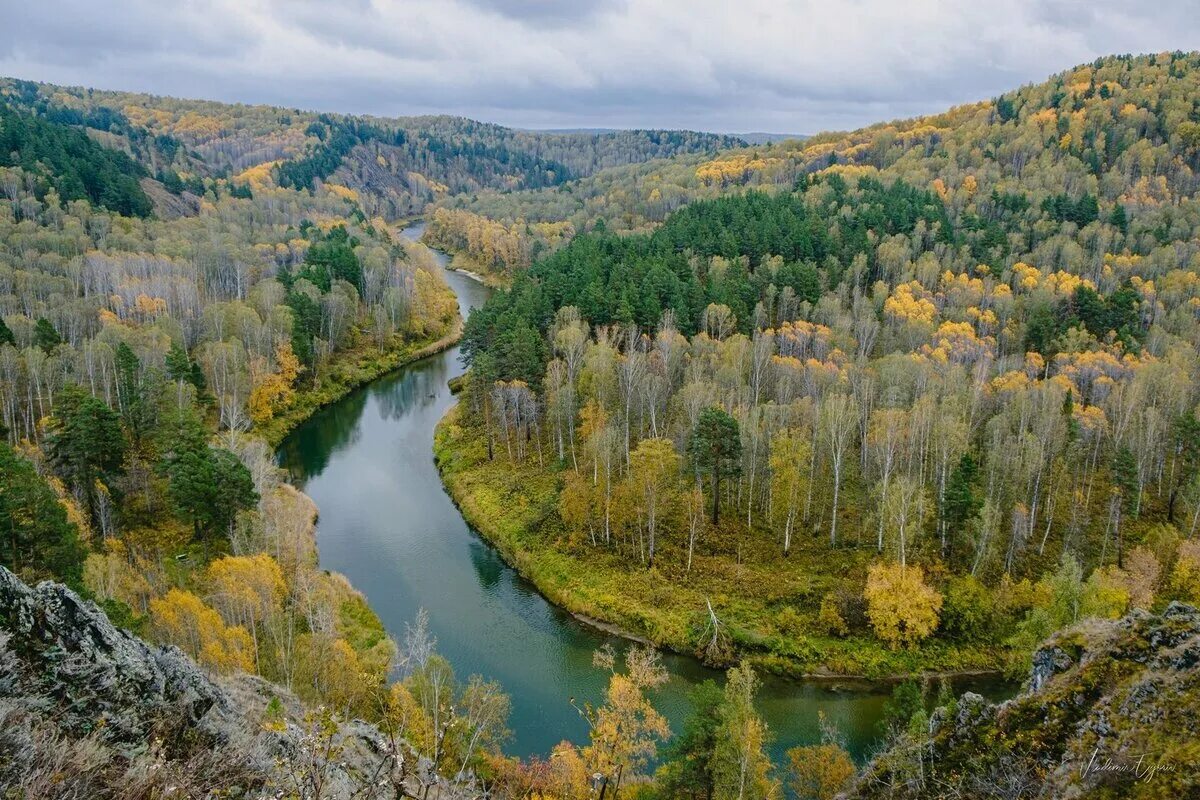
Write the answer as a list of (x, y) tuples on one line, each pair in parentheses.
[(785, 66)]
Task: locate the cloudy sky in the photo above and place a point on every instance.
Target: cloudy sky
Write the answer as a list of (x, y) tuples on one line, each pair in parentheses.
[(795, 66)]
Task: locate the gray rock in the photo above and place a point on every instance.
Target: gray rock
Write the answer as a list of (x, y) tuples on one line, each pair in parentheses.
[(102, 712)]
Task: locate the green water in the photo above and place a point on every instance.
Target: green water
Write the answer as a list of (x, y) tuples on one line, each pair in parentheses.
[(387, 524)]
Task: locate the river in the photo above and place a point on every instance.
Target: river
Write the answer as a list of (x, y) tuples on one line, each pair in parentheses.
[(389, 526)]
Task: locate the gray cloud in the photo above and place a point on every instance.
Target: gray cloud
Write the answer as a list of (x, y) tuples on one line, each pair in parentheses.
[(783, 65)]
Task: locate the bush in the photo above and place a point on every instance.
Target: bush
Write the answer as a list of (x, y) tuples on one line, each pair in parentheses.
[(968, 611), (830, 616)]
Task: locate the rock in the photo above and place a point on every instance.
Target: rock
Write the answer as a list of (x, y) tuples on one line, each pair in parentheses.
[(1111, 709), (96, 712), (1047, 662)]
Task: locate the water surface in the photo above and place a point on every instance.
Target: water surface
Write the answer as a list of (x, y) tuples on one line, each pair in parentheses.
[(388, 525)]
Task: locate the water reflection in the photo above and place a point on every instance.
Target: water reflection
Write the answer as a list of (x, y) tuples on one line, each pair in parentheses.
[(387, 523)]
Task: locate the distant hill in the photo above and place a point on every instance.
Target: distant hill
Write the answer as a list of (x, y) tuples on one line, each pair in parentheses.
[(396, 164)]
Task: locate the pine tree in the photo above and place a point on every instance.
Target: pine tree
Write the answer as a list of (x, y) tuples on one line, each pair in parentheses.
[(45, 336), (715, 449), (688, 767), (86, 445), (36, 536)]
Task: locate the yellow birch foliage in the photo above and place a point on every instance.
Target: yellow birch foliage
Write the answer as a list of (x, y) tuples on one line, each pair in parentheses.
[(273, 390), (819, 772), (903, 609), (182, 619)]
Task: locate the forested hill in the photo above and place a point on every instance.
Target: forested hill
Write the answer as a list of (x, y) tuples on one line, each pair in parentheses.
[(1120, 131), (967, 343), (393, 166)]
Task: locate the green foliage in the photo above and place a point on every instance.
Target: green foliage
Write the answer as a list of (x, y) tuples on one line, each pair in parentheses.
[(1125, 477), (70, 162), (206, 485), (45, 336), (332, 258), (1063, 208), (86, 445), (906, 703), (36, 536), (968, 610), (6, 334), (136, 393), (687, 769), (338, 136), (961, 502), (306, 323), (715, 450), (634, 279)]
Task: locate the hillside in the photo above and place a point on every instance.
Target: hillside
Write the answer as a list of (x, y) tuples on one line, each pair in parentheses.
[(1121, 129), (394, 166), (897, 402), (953, 360), (87, 710)]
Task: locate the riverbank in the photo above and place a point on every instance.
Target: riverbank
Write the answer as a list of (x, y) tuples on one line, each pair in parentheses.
[(351, 370), (769, 606)]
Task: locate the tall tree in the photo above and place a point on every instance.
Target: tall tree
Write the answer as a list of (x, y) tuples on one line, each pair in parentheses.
[(741, 767), (688, 767), (715, 450), (45, 335), (86, 445), (654, 475)]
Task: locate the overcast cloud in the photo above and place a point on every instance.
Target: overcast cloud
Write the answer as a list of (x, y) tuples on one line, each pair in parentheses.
[(749, 65)]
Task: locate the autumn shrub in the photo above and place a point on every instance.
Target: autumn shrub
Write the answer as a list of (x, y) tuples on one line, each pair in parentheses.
[(830, 617), (902, 608)]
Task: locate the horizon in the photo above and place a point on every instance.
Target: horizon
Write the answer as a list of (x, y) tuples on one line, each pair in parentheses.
[(790, 69)]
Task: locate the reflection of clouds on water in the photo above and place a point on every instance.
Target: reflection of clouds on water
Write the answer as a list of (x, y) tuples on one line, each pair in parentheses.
[(418, 388)]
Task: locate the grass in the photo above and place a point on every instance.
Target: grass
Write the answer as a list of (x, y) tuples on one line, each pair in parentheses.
[(769, 603)]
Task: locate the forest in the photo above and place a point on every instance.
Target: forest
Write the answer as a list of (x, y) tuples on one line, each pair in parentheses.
[(870, 406), (152, 351), (897, 401)]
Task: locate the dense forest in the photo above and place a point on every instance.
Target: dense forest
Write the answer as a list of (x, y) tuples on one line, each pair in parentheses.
[(155, 339), (902, 400), (871, 404), (391, 167)]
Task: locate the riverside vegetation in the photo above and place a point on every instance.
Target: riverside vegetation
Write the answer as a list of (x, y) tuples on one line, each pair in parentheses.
[(864, 409), (902, 400)]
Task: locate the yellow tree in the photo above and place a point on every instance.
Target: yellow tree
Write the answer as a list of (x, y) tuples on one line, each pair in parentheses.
[(1185, 578), (902, 608), (182, 619), (248, 591), (791, 451), (654, 476), (577, 504), (819, 771), (626, 729), (273, 390)]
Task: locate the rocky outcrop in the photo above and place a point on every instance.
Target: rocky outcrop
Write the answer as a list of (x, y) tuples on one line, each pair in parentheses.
[(1111, 709), (90, 711)]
